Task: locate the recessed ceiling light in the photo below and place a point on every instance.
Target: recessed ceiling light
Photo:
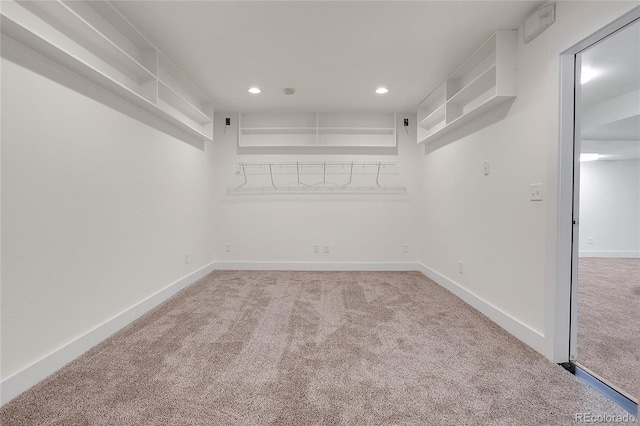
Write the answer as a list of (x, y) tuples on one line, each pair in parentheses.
[(381, 90), (254, 90), (589, 156)]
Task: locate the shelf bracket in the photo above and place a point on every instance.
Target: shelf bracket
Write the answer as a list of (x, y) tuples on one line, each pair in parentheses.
[(350, 176), (244, 175), (271, 174), (337, 177)]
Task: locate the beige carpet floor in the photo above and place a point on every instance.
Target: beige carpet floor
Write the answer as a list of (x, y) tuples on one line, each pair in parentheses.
[(609, 320), (299, 348)]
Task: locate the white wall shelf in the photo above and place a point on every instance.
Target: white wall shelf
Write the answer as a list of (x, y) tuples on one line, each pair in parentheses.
[(278, 130), (330, 129), (93, 39), (485, 80), (326, 177)]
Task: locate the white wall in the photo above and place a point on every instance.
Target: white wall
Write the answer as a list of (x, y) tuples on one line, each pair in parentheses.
[(284, 228), (98, 209), (610, 208), (507, 243)]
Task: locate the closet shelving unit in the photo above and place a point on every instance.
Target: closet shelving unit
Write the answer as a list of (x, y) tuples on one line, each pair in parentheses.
[(485, 80), (315, 177), (317, 129), (96, 41)]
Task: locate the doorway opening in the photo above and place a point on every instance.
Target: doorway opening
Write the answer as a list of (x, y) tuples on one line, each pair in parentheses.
[(604, 346)]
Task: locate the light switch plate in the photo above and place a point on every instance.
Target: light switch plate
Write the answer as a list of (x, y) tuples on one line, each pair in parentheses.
[(536, 191)]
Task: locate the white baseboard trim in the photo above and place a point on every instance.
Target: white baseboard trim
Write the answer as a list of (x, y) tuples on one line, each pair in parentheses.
[(612, 254), (19, 382), (526, 334), (317, 266)]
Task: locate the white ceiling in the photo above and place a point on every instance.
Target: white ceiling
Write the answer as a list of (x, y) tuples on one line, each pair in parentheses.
[(333, 53)]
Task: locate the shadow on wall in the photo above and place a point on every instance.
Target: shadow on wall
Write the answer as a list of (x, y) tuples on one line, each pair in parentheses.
[(27, 58), (486, 120)]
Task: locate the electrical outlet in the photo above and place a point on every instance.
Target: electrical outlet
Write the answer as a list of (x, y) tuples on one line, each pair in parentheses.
[(486, 168), (406, 122), (227, 247), (460, 266), (590, 240), (186, 258), (327, 248), (227, 121), (405, 248), (316, 248)]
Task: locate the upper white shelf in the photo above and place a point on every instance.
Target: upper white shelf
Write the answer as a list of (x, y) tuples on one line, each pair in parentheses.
[(93, 39), (357, 130), (279, 130), (296, 129), (485, 80)]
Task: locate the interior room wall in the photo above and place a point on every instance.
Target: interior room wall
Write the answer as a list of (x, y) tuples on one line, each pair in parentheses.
[(610, 208), (506, 242), (98, 210), (282, 229)]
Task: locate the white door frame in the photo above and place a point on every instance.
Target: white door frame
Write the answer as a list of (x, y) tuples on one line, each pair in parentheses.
[(568, 195)]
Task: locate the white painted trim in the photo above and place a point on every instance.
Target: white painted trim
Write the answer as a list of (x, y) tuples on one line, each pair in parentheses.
[(317, 266), (610, 253), (561, 325), (21, 381), (526, 334)]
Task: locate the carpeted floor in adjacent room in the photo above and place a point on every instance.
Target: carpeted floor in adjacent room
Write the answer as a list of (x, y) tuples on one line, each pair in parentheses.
[(303, 348), (609, 320)]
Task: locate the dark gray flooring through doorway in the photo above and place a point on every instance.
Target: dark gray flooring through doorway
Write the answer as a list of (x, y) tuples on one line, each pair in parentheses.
[(609, 320)]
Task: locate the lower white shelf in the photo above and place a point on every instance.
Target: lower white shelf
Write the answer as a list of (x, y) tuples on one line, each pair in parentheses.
[(266, 190), (342, 177), (472, 114)]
